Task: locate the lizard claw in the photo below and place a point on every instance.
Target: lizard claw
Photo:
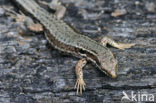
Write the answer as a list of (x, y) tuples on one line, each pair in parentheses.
[(80, 84)]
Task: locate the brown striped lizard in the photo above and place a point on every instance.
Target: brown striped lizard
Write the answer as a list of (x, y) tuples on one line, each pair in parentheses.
[(64, 38)]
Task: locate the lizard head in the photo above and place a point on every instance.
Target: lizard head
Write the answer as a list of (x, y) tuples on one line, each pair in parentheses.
[(108, 64)]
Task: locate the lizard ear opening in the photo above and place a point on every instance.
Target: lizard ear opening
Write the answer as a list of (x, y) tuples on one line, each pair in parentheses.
[(82, 51)]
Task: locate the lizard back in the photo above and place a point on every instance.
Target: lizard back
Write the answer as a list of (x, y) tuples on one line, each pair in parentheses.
[(64, 38)]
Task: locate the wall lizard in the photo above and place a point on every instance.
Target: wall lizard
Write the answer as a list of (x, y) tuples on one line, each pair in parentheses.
[(64, 38)]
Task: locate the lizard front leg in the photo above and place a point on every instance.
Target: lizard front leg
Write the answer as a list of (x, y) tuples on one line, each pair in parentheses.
[(80, 84), (107, 40)]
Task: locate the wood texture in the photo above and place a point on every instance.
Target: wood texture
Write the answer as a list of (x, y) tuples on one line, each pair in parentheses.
[(33, 72)]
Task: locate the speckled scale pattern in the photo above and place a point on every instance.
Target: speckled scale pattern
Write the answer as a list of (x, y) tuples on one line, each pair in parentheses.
[(60, 30), (66, 36)]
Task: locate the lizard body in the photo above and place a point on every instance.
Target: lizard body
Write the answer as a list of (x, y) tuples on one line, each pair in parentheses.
[(64, 38)]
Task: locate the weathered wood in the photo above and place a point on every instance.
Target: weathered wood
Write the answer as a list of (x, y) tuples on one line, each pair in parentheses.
[(32, 71)]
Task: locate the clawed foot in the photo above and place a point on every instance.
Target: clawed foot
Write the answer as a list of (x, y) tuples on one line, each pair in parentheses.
[(123, 46), (80, 84)]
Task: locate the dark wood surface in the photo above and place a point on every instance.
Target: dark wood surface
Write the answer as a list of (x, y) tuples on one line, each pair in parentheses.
[(33, 72)]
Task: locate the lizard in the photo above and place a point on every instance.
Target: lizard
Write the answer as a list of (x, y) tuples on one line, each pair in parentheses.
[(64, 38)]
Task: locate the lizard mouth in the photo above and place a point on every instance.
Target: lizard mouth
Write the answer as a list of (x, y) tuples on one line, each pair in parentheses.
[(112, 72)]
